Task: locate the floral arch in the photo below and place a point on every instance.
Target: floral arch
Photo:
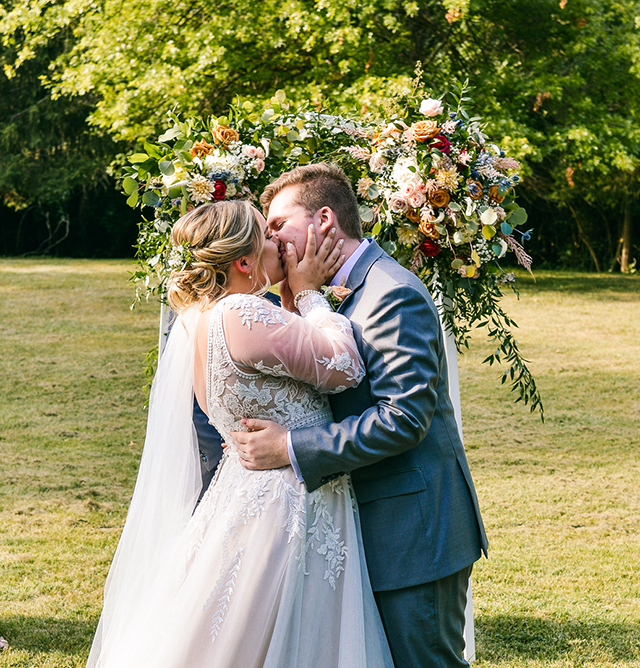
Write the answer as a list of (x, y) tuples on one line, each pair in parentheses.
[(432, 189)]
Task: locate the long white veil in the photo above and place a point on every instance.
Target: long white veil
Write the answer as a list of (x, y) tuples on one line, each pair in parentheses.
[(165, 495)]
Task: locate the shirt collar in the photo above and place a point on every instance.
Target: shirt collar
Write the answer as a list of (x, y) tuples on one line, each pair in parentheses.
[(343, 273)]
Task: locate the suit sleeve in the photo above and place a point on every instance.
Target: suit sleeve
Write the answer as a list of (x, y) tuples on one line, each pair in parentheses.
[(403, 353)]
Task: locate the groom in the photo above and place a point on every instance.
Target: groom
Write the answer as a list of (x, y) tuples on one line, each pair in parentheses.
[(395, 433)]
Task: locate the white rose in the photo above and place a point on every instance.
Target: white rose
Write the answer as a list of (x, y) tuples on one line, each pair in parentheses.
[(249, 151), (431, 107), (258, 165), (416, 200), (260, 153)]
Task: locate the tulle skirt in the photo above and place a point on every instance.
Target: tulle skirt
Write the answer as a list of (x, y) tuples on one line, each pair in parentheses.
[(265, 575)]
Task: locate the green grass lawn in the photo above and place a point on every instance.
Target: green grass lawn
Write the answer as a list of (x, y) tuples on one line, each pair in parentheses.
[(561, 501)]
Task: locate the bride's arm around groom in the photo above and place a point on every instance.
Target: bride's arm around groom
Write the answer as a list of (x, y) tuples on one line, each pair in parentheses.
[(395, 434)]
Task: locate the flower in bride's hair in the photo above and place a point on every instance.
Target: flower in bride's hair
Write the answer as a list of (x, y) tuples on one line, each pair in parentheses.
[(201, 190), (180, 257)]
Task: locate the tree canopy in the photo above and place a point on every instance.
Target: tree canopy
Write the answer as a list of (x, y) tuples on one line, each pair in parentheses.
[(559, 82)]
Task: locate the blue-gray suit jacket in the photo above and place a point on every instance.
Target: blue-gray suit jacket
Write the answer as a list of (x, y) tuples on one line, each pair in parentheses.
[(396, 434)]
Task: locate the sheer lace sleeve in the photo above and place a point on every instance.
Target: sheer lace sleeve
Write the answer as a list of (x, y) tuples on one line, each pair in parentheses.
[(317, 348)]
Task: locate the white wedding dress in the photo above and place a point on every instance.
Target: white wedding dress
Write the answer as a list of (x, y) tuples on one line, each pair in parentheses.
[(263, 574)]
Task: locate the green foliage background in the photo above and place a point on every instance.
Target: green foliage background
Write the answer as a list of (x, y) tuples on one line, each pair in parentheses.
[(86, 80)]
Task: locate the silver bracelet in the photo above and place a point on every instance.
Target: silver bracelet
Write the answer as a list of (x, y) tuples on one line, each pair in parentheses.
[(304, 293)]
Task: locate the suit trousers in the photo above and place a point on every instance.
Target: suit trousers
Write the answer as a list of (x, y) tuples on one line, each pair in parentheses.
[(424, 624)]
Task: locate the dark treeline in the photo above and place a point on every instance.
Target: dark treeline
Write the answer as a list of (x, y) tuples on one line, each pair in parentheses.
[(82, 84)]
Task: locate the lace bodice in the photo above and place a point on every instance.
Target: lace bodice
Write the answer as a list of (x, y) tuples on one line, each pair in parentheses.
[(265, 362)]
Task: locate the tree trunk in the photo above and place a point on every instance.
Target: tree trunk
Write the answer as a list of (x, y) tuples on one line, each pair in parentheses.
[(585, 240), (625, 259)]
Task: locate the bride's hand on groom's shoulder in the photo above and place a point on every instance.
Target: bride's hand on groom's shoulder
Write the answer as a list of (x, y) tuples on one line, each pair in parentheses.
[(263, 446), (317, 266)]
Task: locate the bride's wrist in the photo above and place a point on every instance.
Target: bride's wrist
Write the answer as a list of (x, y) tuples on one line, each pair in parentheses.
[(304, 293)]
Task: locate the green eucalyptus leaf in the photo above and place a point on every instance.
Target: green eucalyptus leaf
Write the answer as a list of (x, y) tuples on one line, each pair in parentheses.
[(132, 200), (506, 229), (129, 185), (376, 229), (517, 217), (138, 157), (373, 191), (166, 167), (150, 198), (366, 214), (389, 247)]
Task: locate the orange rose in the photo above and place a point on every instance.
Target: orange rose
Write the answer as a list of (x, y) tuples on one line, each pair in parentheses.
[(423, 130), (201, 148), (429, 230), (413, 215), (494, 195), (340, 292), (439, 198), (224, 135), (475, 189)]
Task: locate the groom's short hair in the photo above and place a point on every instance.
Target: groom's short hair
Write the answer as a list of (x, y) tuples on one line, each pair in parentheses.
[(319, 185)]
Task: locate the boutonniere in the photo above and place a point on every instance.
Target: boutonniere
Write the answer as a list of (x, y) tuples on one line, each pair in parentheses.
[(335, 294)]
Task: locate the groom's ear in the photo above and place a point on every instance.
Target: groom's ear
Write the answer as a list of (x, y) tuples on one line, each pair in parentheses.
[(326, 219)]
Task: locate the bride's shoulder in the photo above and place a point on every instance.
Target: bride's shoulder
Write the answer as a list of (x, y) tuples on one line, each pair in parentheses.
[(252, 309)]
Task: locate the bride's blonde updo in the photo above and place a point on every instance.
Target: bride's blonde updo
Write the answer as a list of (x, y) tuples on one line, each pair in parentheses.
[(214, 235)]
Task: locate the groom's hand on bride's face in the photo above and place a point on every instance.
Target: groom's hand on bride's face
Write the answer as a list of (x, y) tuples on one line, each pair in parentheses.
[(264, 446)]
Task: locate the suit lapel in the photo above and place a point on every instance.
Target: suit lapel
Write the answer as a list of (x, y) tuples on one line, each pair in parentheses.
[(360, 271)]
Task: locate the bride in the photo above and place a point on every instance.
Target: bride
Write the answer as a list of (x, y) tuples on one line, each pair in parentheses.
[(262, 574)]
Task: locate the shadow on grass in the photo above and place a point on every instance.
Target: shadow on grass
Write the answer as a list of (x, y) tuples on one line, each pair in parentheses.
[(48, 634), (511, 638), (559, 281)]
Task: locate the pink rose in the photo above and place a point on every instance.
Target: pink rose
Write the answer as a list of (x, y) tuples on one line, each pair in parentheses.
[(408, 189), (431, 107), (397, 203), (260, 153), (249, 151), (416, 200), (258, 164)]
